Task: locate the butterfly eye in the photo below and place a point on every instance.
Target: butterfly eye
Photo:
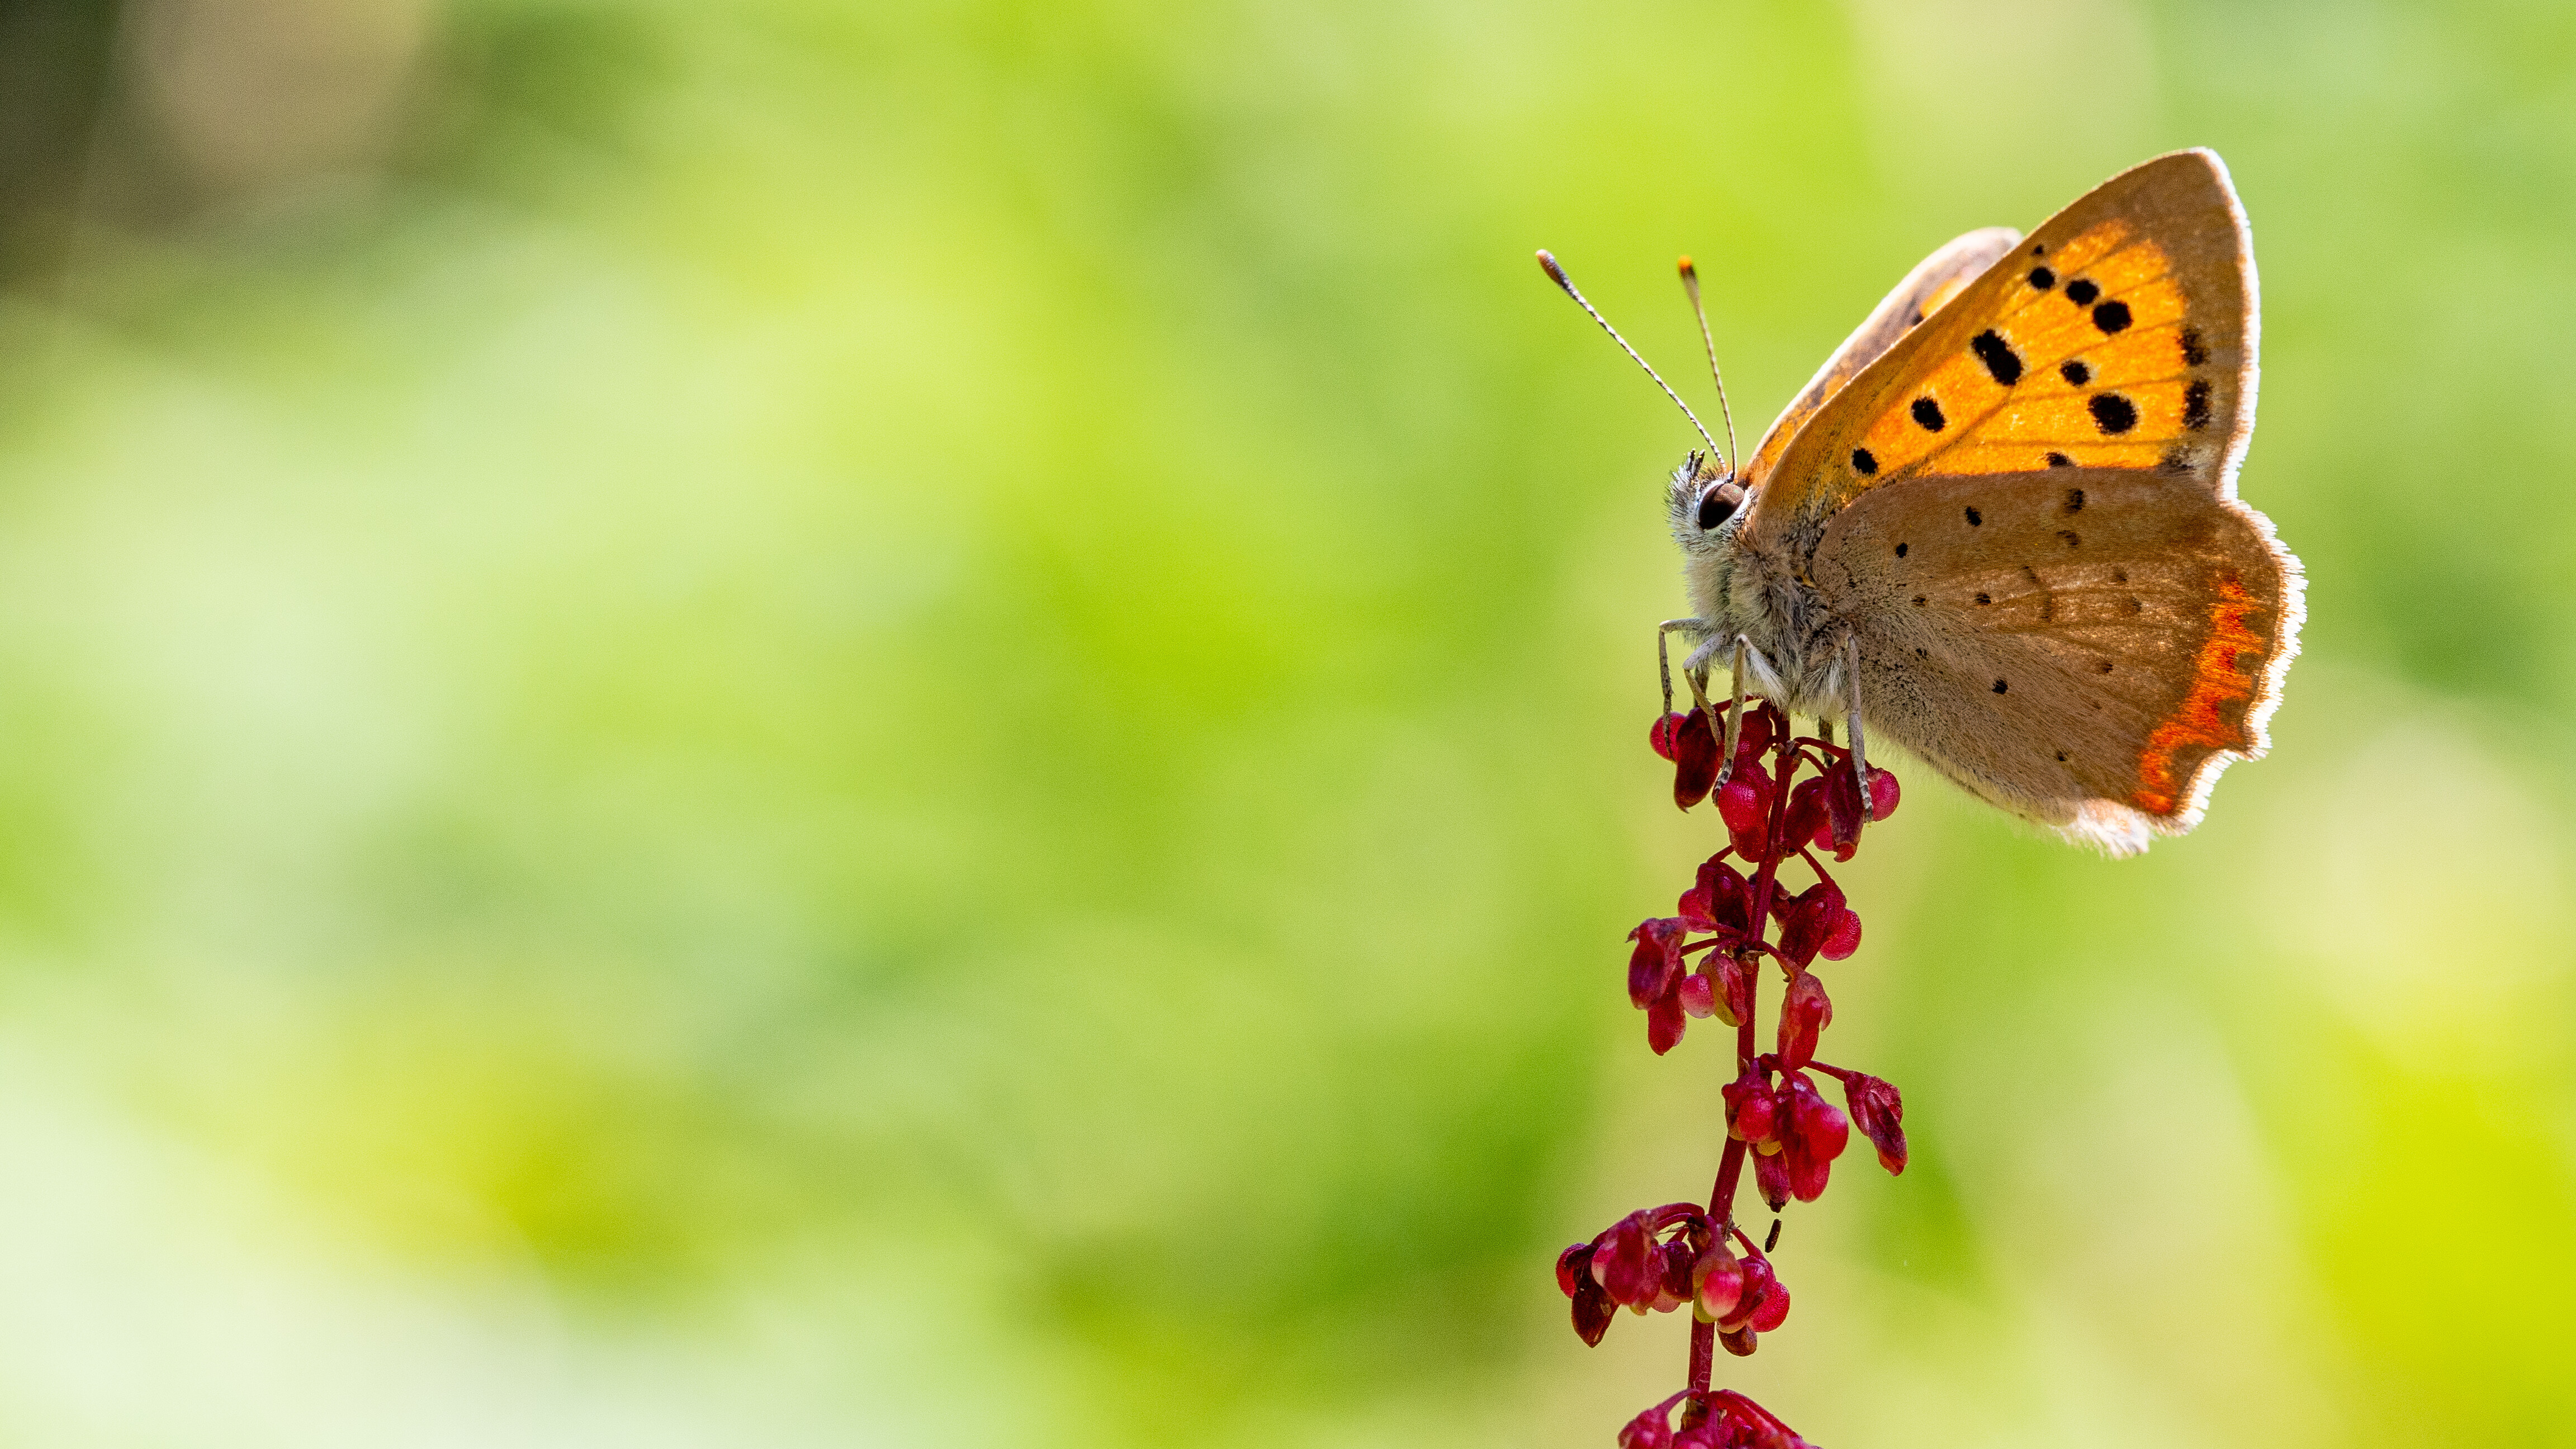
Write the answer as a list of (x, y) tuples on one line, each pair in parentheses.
[(1717, 503)]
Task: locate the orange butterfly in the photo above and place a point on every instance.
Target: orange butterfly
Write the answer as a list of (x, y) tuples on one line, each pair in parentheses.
[(2000, 527)]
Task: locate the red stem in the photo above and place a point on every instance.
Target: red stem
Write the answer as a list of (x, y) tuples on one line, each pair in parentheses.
[(1730, 1169)]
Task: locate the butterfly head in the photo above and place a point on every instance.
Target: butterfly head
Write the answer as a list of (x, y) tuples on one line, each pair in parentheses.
[(1705, 502)]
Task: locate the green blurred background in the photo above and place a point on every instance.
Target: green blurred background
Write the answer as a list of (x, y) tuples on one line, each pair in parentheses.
[(782, 723)]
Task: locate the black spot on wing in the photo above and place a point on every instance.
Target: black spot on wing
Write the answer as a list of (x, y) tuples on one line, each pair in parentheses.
[(2112, 316), (2060, 460), (2176, 461), (1985, 598), (2074, 496), (1927, 415), (1900, 550), (2069, 537), (2082, 292), (2041, 278), (2000, 686), (2113, 413), (2195, 405), (2002, 363), (1976, 519), (2193, 354), (1864, 462), (2075, 373)]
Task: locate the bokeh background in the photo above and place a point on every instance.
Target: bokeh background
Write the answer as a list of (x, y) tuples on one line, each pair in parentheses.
[(923, 724)]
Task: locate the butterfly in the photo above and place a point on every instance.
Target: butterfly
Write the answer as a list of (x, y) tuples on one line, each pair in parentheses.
[(2000, 525)]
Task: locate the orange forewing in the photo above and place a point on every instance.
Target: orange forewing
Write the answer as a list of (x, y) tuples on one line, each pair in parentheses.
[(2118, 335), (1929, 287)]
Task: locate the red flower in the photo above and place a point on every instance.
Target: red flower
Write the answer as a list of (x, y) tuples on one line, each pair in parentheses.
[(1717, 1283), (1687, 741), (1879, 1113), (1804, 1015), (1763, 1304), (1655, 978), (1593, 1309), (1655, 967), (1752, 1112), (1722, 1419), (1720, 899), (1815, 923), (1777, 1122), (1814, 1137)]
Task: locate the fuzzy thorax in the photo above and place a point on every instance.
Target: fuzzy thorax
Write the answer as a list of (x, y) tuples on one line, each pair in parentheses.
[(1736, 588)]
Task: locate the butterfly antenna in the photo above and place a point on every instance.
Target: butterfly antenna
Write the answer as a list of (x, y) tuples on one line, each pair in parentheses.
[(1557, 275), (1690, 284)]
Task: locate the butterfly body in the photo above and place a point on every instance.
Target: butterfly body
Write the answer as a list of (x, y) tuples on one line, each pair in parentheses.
[(1739, 589), (2000, 525)]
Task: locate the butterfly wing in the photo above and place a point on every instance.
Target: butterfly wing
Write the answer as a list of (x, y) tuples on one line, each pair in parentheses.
[(2120, 334), (1941, 276), (2085, 647), (2024, 510)]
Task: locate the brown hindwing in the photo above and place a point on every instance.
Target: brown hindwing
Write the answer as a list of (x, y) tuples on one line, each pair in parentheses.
[(2085, 646)]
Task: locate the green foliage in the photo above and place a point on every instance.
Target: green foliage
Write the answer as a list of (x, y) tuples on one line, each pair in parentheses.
[(929, 722)]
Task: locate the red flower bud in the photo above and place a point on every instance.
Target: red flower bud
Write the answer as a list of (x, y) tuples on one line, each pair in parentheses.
[(1842, 807), (1652, 1429), (1719, 900), (1812, 919), (1739, 1342), (1593, 1310), (1717, 1282), (1804, 1014), (1662, 735), (1679, 1258), (1774, 1310), (1763, 1304), (1882, 794), (1807, 822), (1879, 1113), (1735, 978), (1745, 805), (1771, 1177), (1625, 1261), (1697, 995), (1656, 964), (1694, 758), (1572, 1266), (1815, 1135), (1752, 1113), (1665, 1023), (1754, 735), (1845, 938)]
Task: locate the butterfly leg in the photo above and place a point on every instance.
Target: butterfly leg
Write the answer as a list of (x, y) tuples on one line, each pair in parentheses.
[(1743, 655), (1851, 706), (1664, 658)]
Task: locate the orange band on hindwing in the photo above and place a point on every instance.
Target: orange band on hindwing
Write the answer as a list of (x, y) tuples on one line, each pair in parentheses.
[(2224, 673)]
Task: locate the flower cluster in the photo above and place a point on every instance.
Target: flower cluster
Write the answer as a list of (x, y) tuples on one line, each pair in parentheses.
[(1723, 1419), (1736, 918)]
